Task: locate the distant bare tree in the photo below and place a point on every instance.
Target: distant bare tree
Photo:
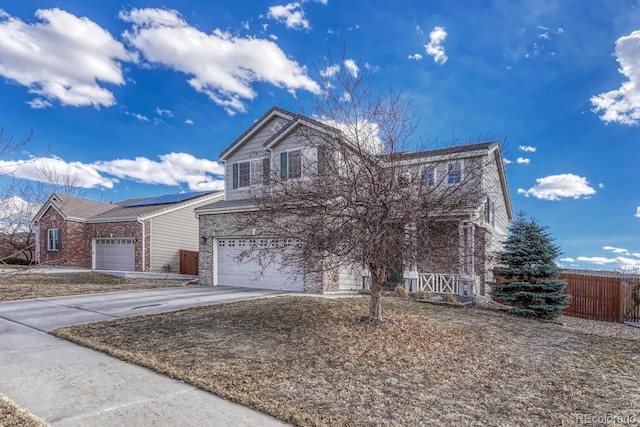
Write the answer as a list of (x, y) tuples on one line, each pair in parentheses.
[(13, 239), (21, 200), (363, 199), (62, 181)]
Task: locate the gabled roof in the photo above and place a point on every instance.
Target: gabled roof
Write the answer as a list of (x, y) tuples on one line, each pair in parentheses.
[(484, 147), (84, 210), (73, 208), (298, 120), (254, 128)]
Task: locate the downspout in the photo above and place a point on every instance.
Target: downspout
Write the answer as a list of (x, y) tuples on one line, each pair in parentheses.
[(143, 243)]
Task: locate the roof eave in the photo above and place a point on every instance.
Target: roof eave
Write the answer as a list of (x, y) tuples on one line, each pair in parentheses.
[(273, 111)]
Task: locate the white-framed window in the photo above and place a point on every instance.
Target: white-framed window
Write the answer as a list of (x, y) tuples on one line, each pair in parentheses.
[(454, 173), (244, 174), (490, 212), (291, 164), (251, 172), (53, 239), (429, 176)]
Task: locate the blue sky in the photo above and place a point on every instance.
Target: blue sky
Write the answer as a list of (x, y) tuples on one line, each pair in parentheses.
[(140, 97)]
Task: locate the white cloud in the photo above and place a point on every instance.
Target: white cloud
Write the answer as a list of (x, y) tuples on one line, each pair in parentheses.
[(164, 113), (364, 134), (415, 57), (188, 121), (523, 161), (622, 105), (434, 47), (39, 103), (330, 71), (506, 161), (557, 187), (351, 67), (62, 57), (291, 15), (622, 262), (221, 65), (169, 169), (527, 148), (137, 116), (32, 169), (616, 250), (567, 260), (637, 215)]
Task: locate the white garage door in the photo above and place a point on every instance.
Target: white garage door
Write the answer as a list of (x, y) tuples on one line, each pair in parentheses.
[(248, 273), (115, 254)]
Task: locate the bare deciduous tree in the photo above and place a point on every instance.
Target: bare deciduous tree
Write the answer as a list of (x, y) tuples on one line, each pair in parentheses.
[(360, 198), (21, 200)]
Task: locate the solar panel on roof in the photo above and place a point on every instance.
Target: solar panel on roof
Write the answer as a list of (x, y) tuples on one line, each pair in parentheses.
[(167, 199)]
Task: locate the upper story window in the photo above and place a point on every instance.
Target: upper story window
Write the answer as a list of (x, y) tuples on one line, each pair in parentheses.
[(244, 174), (429, 176), (291, 164), (251, 172), (454, 174), (322, 163), (53, 239)]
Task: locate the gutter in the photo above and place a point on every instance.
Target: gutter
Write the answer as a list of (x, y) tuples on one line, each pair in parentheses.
[(143, 242)]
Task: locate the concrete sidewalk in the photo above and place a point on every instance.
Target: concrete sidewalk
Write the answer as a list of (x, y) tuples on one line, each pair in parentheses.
[(69, 385)]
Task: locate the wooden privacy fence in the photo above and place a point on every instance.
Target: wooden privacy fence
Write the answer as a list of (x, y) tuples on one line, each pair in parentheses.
[(608, 298)]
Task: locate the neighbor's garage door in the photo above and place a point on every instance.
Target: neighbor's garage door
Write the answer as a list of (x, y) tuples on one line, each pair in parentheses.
[(115, 254), (248, 273)]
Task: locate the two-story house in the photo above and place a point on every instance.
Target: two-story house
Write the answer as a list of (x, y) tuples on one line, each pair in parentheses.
[(273, 146)]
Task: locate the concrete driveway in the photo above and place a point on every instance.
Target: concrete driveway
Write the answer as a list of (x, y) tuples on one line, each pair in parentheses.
[(69, 385), (47, 314)]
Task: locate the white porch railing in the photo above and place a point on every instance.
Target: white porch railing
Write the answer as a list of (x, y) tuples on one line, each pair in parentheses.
[(438, 283)]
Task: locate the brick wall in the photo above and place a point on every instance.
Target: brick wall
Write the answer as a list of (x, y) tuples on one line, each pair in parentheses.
[(76, 240), (126, 229), (75, 248)]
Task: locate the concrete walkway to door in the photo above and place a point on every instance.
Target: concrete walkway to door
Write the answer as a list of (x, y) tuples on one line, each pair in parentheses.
[(69, 385)]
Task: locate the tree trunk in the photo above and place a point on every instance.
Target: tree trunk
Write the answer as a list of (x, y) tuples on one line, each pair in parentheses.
[(375, 306)]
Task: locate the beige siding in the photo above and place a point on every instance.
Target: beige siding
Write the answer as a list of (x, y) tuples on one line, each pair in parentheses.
[(171, 232), (253, 149), (493, 189)]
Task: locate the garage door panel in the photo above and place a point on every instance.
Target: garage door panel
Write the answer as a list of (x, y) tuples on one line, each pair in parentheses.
[(115, 254), (248, 273)]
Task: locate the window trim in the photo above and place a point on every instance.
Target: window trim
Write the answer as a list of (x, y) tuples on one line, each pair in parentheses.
[(53, 239), (432, 171), (491, 212), (238, 181), (244, 174), (450, 169), (286, 164)]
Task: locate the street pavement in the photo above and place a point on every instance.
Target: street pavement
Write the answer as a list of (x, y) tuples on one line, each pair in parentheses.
[(69, 385)]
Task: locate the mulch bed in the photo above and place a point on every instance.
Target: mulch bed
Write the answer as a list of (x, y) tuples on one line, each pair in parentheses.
[(309, 361), (34, 285)]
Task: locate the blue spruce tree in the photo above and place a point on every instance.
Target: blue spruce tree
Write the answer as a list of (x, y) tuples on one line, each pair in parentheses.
[(529, 274)]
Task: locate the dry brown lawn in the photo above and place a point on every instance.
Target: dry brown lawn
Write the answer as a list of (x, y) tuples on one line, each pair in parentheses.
[(37, 285), (12, 416), (309, 361)]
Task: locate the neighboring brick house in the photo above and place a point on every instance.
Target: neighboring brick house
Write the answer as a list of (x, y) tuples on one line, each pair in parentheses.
[(271, 145), (144, 234)]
